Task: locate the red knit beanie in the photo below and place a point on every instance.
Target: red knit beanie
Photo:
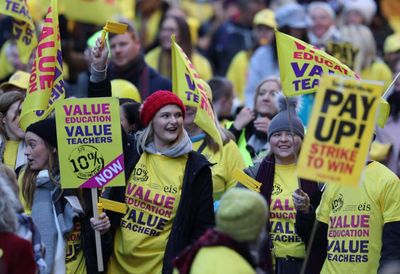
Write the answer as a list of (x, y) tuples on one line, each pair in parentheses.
[(155, 102)]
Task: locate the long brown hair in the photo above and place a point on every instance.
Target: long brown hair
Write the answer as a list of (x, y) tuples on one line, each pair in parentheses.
[(29, 177), (184, 41), (6, 100)]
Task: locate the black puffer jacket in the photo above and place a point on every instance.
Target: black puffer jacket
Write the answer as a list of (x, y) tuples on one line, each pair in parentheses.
[(195, 211)]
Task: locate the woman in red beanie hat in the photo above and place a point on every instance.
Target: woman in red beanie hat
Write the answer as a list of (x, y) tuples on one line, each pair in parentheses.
[(168, 192)]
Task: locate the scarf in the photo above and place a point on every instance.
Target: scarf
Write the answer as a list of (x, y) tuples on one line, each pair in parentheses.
[(47, 195), (136, 72), (210, 238), (184, 146)]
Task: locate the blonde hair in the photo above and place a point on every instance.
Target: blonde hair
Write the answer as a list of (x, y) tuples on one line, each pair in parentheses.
[(8, 206), (11, 176), (274, 79), (144, 137)]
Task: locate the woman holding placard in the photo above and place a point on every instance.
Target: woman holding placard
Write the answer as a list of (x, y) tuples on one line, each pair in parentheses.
[(60, 215), (278, 177), (168, 193)]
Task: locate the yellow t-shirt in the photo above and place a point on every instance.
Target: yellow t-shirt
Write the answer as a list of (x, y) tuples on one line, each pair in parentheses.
[(152, 196), (10, 153), (74, 259), (226, 160), (355, 218), (237, 73), (220, 260), (378, 71), (282, 218)]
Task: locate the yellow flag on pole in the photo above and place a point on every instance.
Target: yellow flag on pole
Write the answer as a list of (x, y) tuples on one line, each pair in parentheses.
[(186, 84), (301, 65), (23, 27), (46, 84)]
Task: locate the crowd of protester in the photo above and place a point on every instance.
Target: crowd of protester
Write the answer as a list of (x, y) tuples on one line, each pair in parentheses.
[(196, 217)]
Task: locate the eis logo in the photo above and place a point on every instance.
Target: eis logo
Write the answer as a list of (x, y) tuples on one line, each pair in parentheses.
[(364, 207), (171, 189), (337, 204), (276, 189)]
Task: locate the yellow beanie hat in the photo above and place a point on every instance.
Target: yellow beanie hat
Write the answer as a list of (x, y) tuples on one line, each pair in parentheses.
[(242, 214)]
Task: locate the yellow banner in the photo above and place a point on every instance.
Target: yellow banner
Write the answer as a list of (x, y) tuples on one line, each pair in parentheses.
[(340, 132), (98, 11), (187, 85), (46, 84), (301, 65), (90, 143), (23, 27)]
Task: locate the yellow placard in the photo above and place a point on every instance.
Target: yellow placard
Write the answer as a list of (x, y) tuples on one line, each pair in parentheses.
[(340, 132), (186, 84), (46, 84), (23, 27), (345, 52), (90, 143), (301, 65)]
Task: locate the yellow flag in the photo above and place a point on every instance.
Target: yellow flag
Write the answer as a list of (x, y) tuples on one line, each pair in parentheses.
[(301, 65), (383, 113), (186, 84), (46, 84), (98, 11), (340, 131), (23, 27)]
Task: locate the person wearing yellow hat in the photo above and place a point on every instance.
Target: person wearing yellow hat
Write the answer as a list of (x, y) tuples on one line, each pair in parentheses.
[(264, 62), (264, 24), (19, 81)]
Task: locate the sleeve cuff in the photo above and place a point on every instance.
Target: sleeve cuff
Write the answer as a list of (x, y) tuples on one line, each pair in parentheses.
[(97, 76)]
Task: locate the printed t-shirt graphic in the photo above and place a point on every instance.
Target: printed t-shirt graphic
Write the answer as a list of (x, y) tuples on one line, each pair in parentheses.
[(74, 259), (355, 218), (283, 214), (152, 196)]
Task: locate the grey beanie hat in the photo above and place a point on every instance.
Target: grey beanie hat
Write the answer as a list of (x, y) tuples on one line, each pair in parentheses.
[(287, 110)]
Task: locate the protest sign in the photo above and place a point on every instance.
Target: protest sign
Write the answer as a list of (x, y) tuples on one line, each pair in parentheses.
[(301, 65), (46, 84), (340, 132), (90, 143), (23, 27), (345, 52), (187, 85)]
